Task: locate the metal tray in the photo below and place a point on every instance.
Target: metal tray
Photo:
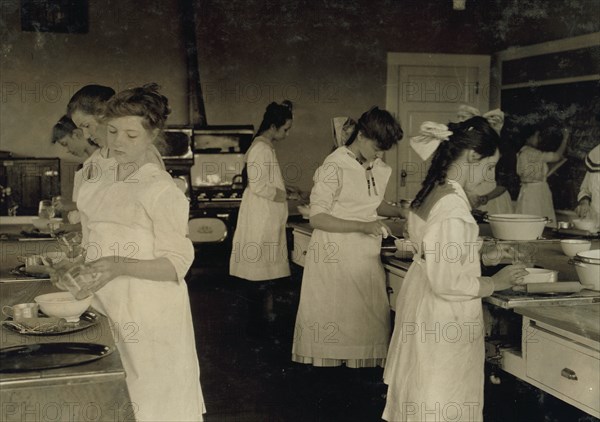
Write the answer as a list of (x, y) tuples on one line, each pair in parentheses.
[(20, 270), (35, 357)]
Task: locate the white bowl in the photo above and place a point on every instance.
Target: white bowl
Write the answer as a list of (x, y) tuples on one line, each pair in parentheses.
[(63, 305), (516, 226), (540, 275), (587, 265), (42, 223), (586, 225), (571, 247)]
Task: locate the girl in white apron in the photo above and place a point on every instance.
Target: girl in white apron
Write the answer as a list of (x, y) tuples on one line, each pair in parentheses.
[(588, 199), (435, 364), (134, 221), (344, 314), (259, 251), (546, 145)]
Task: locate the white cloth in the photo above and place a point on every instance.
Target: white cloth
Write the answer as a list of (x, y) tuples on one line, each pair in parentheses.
[(344, 312), (495, 118), (435, 364), (431, 135), (259, 249), (146, 218), (535, 197)]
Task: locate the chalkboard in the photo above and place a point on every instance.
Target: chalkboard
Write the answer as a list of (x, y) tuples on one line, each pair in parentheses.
[(576, 104)]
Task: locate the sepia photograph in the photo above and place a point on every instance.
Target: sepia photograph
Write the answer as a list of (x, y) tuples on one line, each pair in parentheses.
[(300, 210)]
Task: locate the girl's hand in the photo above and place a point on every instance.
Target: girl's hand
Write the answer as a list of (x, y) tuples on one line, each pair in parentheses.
[(509, 276), (583, 209), (280, 195), (105, 269), (376, 228)]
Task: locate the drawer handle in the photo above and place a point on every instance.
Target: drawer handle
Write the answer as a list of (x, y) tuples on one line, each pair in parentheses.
[(568, 374), (390, 291), (304, 252)]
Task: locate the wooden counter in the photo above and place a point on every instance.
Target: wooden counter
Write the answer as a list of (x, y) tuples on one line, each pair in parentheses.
[(93, 391)]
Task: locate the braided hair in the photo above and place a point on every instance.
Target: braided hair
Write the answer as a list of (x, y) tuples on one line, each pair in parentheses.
[(473, 134)]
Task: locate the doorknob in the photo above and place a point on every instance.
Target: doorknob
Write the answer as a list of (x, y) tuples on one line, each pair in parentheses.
[(403, 175)]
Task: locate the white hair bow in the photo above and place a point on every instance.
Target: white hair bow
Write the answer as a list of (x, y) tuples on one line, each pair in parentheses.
[(431, 135), (495, 118)]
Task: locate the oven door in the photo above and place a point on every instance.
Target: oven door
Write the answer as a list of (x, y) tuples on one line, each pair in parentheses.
[(211, 231)]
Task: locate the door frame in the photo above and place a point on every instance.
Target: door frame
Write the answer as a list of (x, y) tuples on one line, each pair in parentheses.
[(393, 99)]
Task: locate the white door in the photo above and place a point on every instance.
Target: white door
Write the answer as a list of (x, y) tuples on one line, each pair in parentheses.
[(431, 87)]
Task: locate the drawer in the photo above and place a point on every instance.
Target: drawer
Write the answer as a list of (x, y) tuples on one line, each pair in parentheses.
[(393, 280), (301, 241), (564, 366)]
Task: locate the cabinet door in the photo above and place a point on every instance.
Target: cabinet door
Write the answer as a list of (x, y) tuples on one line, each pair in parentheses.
[(393, 280), (301, 241), (564, 367)]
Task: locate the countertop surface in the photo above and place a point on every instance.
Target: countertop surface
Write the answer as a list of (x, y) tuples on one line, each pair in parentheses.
[(581, 319), (23, 292), (13, 291)]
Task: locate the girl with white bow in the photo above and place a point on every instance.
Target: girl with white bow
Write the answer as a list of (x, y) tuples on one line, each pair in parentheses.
[(435, 361), (492, 196)]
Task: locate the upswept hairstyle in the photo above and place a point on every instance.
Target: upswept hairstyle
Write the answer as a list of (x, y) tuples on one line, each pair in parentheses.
[(550, 135), (378, 125), (275, 114), (474, 133), (91, 99), (145, 102), (62, 128)]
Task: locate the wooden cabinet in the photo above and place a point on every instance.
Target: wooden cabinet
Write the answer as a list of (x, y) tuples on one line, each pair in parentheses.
[(31, 180), (301, 240), (393, 279), (562, 366)]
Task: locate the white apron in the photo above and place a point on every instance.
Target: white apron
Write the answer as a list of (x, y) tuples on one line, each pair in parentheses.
[(344, 313), (145, 218), (435, 364), (259, 250), (535, 197)]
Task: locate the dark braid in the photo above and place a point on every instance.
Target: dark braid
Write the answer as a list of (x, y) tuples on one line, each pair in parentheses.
[(474, 133)]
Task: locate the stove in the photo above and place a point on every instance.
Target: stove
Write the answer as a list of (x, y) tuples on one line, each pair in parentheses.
[(226, 197)]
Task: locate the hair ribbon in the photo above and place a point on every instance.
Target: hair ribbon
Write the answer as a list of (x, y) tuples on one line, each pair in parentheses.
[(431, 136)]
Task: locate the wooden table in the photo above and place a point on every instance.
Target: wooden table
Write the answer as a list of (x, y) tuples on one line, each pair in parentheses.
[(94, 391)]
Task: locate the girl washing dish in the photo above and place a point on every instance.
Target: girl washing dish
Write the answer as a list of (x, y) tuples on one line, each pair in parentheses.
[(545, 145), (343, 317), (436, 356), (134, 221)]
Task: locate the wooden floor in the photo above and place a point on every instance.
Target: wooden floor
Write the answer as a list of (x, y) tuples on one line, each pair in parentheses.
[(251, 377)]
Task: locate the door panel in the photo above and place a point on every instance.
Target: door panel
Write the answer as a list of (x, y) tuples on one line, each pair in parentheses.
[(429, 92)]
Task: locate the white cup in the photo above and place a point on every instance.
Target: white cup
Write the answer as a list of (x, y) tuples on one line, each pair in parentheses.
[(21, 311)]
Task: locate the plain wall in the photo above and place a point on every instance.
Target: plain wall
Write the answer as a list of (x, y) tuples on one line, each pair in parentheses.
[(329, 57), (128, 44)]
